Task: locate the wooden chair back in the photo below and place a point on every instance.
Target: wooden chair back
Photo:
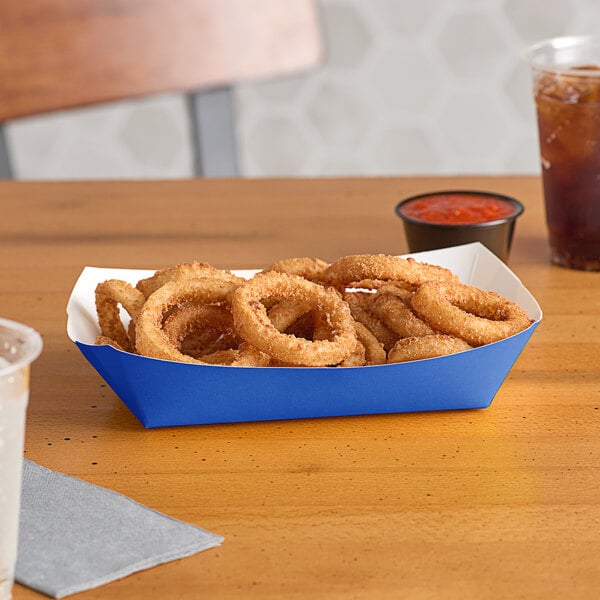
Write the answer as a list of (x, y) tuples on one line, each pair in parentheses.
[(60, 54)]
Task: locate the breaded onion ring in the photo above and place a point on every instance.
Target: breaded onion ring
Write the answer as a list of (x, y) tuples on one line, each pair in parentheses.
[(374, 352), (253, 324), (464, 311), (377, 284), (285, 313), (393, 307), (221, 357), (360, 307), (428, 346), (109, 295), (312, 269), (303, 312), (399, 291), (102, 340), (358, 358), (151, 340), (303, 327), (194, 270), (362, 267), (201, 329)]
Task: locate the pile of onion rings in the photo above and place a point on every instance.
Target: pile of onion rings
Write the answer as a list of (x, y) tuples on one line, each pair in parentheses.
[(359, 310)]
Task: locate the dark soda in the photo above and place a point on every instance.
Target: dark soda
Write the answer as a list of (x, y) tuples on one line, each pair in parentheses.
[(568, 110)]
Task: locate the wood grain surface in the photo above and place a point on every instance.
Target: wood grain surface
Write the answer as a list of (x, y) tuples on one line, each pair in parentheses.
[(495, 503), (57, 54)]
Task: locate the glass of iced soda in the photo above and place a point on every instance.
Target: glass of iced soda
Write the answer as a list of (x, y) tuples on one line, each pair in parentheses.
[(19, 347), (566, 88)]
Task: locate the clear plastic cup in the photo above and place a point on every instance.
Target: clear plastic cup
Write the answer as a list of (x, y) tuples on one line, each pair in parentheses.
[(19, 347), (566, 88)]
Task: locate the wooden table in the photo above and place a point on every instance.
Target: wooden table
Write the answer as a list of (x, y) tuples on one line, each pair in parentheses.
[(497, 503)]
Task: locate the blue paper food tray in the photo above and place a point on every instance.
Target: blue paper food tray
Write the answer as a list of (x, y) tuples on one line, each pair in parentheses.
[(163, 393)]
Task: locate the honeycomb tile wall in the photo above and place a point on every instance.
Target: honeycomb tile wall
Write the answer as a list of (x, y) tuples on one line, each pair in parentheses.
[(428, 87)]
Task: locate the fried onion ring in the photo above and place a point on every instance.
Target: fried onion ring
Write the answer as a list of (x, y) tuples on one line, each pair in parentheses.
[(464, 311), (312, 269), (285, 313), (358, 358), (254, 326), (102, 340), (359, 310), (201, 329), (109, 294), (428, 346), (360, 307), (151, 340), (393, 307), (374, 352), (346, 271), (194, 270)]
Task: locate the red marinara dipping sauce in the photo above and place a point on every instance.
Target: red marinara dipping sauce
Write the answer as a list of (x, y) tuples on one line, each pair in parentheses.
[(458, 209)]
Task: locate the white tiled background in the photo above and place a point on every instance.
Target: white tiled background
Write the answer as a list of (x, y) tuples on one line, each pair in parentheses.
[(407, 87)]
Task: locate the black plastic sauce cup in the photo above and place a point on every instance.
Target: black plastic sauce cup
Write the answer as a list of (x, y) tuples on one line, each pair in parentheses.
[(496, 235)]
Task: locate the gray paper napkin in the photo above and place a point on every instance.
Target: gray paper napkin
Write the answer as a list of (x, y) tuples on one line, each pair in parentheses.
[(75, 536)]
